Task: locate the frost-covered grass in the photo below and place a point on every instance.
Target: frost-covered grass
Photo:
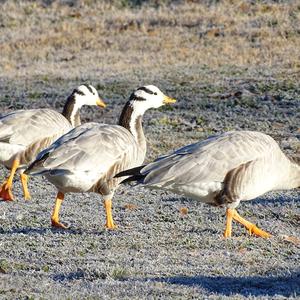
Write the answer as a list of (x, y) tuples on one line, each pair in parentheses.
[(231, 65)]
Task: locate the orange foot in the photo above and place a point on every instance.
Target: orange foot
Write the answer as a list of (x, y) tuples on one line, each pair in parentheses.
[(110, 226), (252, 228), (5, 193), (227, 233), (57, 224), (27, 196), (255, 230)]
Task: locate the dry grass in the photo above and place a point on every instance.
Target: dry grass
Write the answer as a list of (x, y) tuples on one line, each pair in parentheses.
[(109, 41)]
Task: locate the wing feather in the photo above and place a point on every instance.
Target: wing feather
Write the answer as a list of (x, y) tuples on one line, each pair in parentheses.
[(91, 147), (208, 160), (24, 127)]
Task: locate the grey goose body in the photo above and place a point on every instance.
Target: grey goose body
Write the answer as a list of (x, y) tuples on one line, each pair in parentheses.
[(222, 171), (24, 133), (87, 158)]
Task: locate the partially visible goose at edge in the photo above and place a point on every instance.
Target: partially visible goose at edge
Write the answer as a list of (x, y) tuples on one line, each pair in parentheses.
[(222, 171), (87, 158), (24, 133)]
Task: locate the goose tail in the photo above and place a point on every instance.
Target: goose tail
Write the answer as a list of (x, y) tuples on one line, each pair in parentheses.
[(133, 174)]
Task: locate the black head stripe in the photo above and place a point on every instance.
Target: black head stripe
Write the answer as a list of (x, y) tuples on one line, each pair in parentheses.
[(143, 88), (76, 91), (133, 96), (89, 88)]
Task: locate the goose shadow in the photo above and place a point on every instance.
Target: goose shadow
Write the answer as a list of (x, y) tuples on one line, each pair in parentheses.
[(286, 286)]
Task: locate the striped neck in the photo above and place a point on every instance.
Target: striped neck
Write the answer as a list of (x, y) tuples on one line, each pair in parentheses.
[(71, 111), (131, 119)]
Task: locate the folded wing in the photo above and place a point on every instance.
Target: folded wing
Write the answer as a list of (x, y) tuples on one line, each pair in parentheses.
[(24, 127), (91, 147), (208, 161)]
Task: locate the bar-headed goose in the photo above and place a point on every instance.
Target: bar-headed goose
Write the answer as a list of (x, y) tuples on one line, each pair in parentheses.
[(222, 171), (87, 158), (24, 133)]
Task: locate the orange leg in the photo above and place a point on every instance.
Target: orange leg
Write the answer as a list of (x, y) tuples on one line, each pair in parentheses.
[(109, 219), (55, 214), (5, 190), (253, 229), (229, 217), (24, 180)]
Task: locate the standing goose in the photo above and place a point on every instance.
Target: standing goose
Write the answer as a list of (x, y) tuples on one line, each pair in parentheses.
[(87, 158), (24, 133), (222, 171)]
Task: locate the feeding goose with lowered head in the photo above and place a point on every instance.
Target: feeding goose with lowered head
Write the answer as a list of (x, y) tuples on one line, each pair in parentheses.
[(87, 158), (24, 133), (223, 171)]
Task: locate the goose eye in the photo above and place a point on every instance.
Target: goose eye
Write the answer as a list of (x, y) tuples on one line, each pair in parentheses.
[(155, 93)]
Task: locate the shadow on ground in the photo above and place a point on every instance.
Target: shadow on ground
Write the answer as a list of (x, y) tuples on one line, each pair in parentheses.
[(246, 286)]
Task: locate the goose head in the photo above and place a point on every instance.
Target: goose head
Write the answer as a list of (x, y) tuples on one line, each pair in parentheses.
[(146, 97), (86, 94)]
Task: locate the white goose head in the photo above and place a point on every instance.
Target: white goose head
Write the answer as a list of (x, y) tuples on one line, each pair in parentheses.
[(147, 97), (140, 100), (85, 94)]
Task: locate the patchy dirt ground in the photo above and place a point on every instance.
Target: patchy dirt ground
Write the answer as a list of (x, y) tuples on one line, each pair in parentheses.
[(231, 66)]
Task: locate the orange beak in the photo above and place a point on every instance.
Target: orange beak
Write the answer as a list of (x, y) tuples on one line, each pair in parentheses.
[(100, 103)]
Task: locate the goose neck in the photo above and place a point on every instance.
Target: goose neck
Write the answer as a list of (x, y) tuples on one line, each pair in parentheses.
[(131, 119), (71, 111)]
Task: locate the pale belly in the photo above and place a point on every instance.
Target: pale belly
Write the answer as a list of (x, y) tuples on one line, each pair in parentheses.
[(75, 182), (8, 153), (204, 192)]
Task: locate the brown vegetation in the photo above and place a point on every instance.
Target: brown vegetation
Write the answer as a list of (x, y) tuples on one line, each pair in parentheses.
[(93, 38)]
